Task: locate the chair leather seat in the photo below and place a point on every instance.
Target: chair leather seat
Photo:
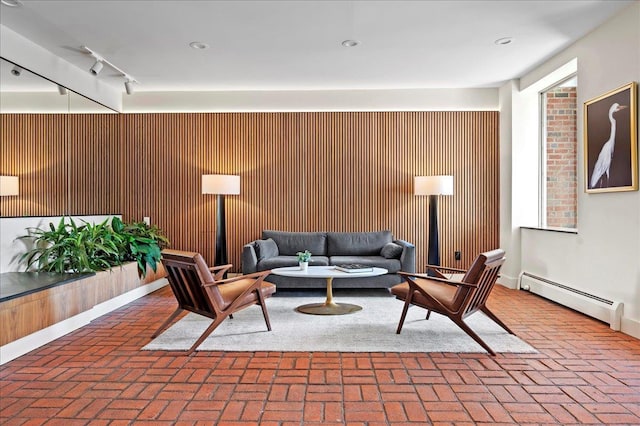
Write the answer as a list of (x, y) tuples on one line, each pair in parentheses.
[(443, 293), (231, 291)]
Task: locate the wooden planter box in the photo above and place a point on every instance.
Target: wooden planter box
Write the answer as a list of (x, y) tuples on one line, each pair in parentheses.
[(75, 303)]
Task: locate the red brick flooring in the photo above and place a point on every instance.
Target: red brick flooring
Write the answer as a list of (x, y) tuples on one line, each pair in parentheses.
[(584, 374)]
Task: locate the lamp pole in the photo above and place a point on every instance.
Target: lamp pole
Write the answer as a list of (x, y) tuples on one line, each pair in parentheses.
[(221, 232), (434, 246)]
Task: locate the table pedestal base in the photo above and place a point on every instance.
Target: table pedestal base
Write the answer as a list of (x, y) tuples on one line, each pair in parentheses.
[(329, 307)]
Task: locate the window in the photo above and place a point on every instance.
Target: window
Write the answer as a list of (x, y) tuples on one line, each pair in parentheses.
[(558, 201)]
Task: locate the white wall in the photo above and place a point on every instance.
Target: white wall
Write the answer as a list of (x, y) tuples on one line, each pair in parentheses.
[(603, 258), (509, 230)]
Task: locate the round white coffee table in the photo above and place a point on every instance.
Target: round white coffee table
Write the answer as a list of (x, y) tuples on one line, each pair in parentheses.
[(329, 307)]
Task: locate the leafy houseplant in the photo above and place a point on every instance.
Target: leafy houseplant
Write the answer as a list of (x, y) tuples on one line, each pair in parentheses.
[(72, 248), (303, 259), (140, 242), (68, 247), (304, 256)]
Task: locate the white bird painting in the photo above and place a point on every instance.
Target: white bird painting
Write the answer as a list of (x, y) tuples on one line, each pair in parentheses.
[(600, 174)]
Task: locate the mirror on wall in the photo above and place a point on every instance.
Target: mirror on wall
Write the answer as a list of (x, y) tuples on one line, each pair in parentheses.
[(50, 138)]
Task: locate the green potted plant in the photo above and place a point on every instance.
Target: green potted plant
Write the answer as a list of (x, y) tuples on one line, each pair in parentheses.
[(140, 243), (303, 259), (68, 247)]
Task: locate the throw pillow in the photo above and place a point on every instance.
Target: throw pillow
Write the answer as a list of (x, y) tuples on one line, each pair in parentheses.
[(391, 251), (265, 249)]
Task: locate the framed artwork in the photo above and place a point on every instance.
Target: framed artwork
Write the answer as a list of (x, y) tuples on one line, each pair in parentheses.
[(611, 141)]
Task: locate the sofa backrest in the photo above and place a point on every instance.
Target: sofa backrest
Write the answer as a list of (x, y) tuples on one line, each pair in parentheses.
[(357, 243), (290, 243)]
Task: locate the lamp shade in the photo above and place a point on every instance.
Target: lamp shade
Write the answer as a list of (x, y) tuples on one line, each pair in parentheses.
[(9, 185), (433, 185), (220, 184)]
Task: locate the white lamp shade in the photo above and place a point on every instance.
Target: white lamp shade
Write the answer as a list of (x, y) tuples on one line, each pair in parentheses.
[(9, 185), (433, 185), (221, 184)]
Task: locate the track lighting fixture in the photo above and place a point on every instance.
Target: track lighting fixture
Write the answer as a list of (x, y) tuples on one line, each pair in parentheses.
[(16, 70), (97, 67), (128, 86), (100, 62), (62, 90)]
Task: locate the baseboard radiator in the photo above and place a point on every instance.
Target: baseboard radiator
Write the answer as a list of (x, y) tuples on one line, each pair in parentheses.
[(605, 310)]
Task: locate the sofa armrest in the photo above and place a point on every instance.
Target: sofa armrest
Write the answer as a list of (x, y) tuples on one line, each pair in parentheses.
[(408, 256), (249, 260)]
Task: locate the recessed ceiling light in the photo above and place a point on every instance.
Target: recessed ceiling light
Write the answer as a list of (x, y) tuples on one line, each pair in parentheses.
[(12, 3), (350, 43), (198, 45), (504, 40)]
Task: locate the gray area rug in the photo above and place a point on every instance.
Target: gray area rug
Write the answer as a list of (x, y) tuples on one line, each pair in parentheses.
[(373, 329)]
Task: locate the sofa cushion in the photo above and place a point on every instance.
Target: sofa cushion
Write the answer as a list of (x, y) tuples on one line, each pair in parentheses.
[(357, 243), (290, 243), (265, 249), (391, 265), (282, 261), (391, 251)]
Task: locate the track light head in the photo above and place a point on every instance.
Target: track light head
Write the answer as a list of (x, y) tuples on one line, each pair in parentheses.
[(128, 86), (16, 70), (62, 90), (97, 67)]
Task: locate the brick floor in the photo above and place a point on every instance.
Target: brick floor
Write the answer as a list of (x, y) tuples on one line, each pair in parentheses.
[(584, 374)]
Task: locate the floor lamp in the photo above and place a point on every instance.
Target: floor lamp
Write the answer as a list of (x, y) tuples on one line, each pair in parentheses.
[(433, 186), (220, 185)]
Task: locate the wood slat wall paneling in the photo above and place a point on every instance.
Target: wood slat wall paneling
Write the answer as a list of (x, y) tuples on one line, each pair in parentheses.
[(316, 171), (94, 178), (337, 171), (34, 148)]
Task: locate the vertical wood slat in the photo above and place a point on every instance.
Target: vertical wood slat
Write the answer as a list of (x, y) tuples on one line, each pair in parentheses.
[(339, 171)]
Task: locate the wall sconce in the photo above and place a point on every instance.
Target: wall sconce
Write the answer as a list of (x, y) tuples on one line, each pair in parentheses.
[(9, 186), (433, 186), (220, 185)]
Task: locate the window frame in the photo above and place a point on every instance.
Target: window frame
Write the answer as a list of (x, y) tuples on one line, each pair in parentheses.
[(542, 155)]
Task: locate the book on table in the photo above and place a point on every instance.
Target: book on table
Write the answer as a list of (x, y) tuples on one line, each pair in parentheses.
[(354, 267)]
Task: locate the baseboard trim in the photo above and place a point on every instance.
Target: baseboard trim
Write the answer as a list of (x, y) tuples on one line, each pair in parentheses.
[(507, 281), (630, 327), (26, 344)]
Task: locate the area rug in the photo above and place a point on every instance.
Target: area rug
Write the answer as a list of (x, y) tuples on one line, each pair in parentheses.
[(373, 329)]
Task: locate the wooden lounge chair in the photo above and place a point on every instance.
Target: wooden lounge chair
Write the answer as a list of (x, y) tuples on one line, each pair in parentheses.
[(197, 290), (455, 299)]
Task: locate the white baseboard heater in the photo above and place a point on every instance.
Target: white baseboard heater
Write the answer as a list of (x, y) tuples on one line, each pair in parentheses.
[(605, 310)]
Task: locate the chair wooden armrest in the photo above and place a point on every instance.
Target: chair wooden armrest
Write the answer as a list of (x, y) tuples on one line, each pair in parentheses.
[(220, 270), (446, 268), (240, 277), (441, 280)]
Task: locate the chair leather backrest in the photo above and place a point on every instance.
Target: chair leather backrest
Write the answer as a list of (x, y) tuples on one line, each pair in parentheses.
[(494, 261), (475, 273), (187, 273)]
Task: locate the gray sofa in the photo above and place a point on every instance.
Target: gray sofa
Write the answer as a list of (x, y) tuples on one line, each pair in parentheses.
[(278, 249)]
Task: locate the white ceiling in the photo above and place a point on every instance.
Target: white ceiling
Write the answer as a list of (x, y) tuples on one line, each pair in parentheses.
[(296, 45)]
